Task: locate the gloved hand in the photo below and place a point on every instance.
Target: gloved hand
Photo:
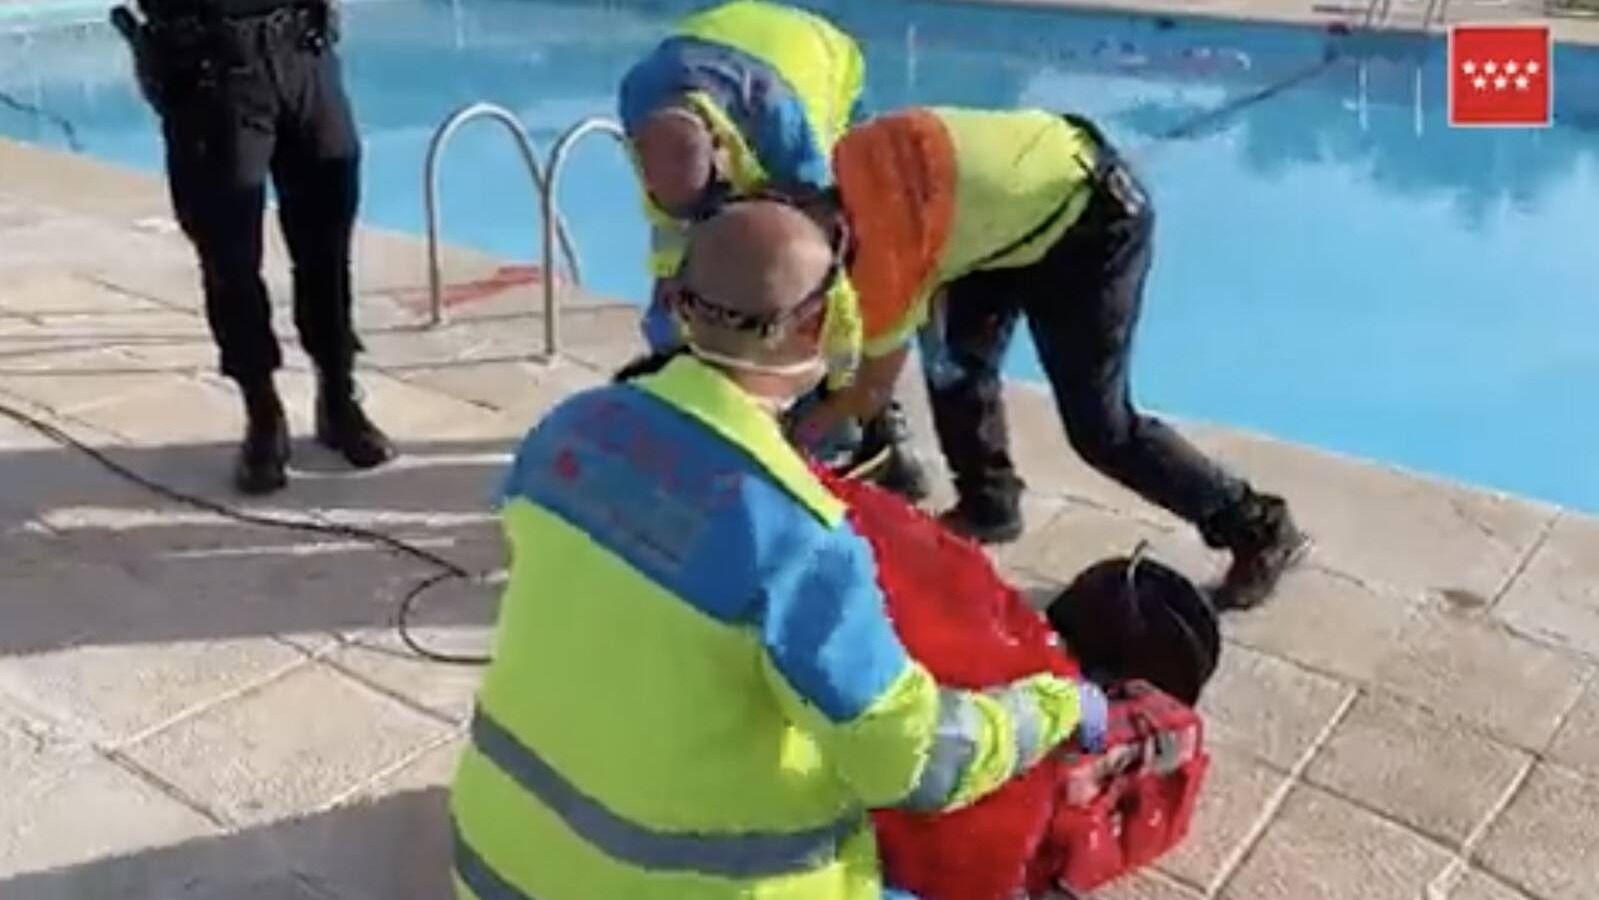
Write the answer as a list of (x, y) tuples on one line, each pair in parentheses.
[(1093, 723), (831, 447)]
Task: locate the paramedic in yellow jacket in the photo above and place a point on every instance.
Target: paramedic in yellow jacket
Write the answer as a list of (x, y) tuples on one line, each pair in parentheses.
[(965, 221), (696, 691), (744, 97)]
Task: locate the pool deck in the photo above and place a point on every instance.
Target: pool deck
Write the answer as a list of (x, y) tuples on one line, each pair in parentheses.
[(193, 707)]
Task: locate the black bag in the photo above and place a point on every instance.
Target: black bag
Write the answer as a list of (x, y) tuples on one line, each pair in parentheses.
[(1133, 617)]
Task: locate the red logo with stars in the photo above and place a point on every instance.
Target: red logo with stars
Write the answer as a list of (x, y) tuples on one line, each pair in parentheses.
[(1499, 75)]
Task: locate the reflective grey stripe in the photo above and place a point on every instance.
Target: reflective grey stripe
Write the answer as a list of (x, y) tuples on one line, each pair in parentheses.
[(740, 855), (486, 883), (1022, 707), (954, 747)]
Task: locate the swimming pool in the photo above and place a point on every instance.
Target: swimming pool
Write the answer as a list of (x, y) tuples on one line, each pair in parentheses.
[(1335, 266)]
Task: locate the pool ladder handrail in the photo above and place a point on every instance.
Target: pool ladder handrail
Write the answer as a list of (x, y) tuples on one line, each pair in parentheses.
[(558, 155), (1440, 7), (524, 145)]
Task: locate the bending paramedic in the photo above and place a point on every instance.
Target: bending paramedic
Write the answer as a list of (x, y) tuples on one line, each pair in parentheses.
[(743, 97), (966, 221)]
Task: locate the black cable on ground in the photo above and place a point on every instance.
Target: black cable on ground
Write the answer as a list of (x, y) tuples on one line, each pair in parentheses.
[(448, 570)]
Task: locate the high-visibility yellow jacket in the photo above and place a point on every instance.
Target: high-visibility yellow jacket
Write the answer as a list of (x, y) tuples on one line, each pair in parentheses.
[(934, 193), (696, 692), (777, 86)]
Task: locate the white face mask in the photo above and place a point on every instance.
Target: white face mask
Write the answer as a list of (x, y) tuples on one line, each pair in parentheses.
[(812, 370)]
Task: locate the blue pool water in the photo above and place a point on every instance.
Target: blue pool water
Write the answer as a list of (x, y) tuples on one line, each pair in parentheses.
[(1335, 265)]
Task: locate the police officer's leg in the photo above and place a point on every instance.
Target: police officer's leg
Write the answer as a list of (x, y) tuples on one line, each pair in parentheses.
[(218, 139), (968, 406), (1084, 335), (317, 173)]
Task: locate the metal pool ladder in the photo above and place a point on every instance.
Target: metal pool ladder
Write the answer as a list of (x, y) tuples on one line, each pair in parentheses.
[(545, 177), (558, 153), (530, 157)]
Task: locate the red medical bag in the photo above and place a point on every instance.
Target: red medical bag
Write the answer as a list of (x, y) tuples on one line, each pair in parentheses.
[(1121, 809), (1075, 819)]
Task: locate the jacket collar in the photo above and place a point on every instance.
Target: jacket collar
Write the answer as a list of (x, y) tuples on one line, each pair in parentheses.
[(711, 398)]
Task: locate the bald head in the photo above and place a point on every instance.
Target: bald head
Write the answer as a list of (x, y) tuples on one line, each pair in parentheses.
[(759, 257), (677, 156)]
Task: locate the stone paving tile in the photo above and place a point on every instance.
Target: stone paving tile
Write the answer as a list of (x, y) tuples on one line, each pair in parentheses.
[(1577, 743), (1470, 668), (1425, 771), (170, 278), (56, 598), (433, 768), (395, 846), (1065, 538), (1557, 595), (524, 391), (1323, 848), (1270, 708), (271, 583), (1455, 539), (413, 416), (1326, 622), (1236, 797), (174, 410), (147, 323), (65, 805), (445, 690), (1478, 886), (15, 439), (293, 745), (1139, 886), (1544, 842), (114, 692), (130, 879), (78, 379), (54, 292), (50, 483)]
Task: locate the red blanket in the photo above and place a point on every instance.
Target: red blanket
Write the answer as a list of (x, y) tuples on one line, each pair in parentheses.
[(958, 618)]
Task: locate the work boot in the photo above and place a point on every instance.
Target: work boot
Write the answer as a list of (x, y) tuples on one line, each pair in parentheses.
[(1265, 544), (342, 426), (985, 519), (264, 454), (888, 435)]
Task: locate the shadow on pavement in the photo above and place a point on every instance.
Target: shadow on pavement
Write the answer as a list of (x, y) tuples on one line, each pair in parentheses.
[(93, 559), (394, 847)]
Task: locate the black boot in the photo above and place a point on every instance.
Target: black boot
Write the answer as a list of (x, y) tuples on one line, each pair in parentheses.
[(1264, 542), (264, 454), (986, 518), (342, 426), (888, 436)]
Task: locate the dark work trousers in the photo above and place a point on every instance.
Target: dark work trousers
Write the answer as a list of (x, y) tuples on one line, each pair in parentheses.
[(1082, 302), (272, 103)]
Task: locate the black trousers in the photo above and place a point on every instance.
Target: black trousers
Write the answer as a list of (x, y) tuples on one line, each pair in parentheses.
[(1082, 303), (250, 99)]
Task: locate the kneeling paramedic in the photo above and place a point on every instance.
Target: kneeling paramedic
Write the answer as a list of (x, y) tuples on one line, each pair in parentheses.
[(966, 220), (247, 88), (696, 691), (742, 97)]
